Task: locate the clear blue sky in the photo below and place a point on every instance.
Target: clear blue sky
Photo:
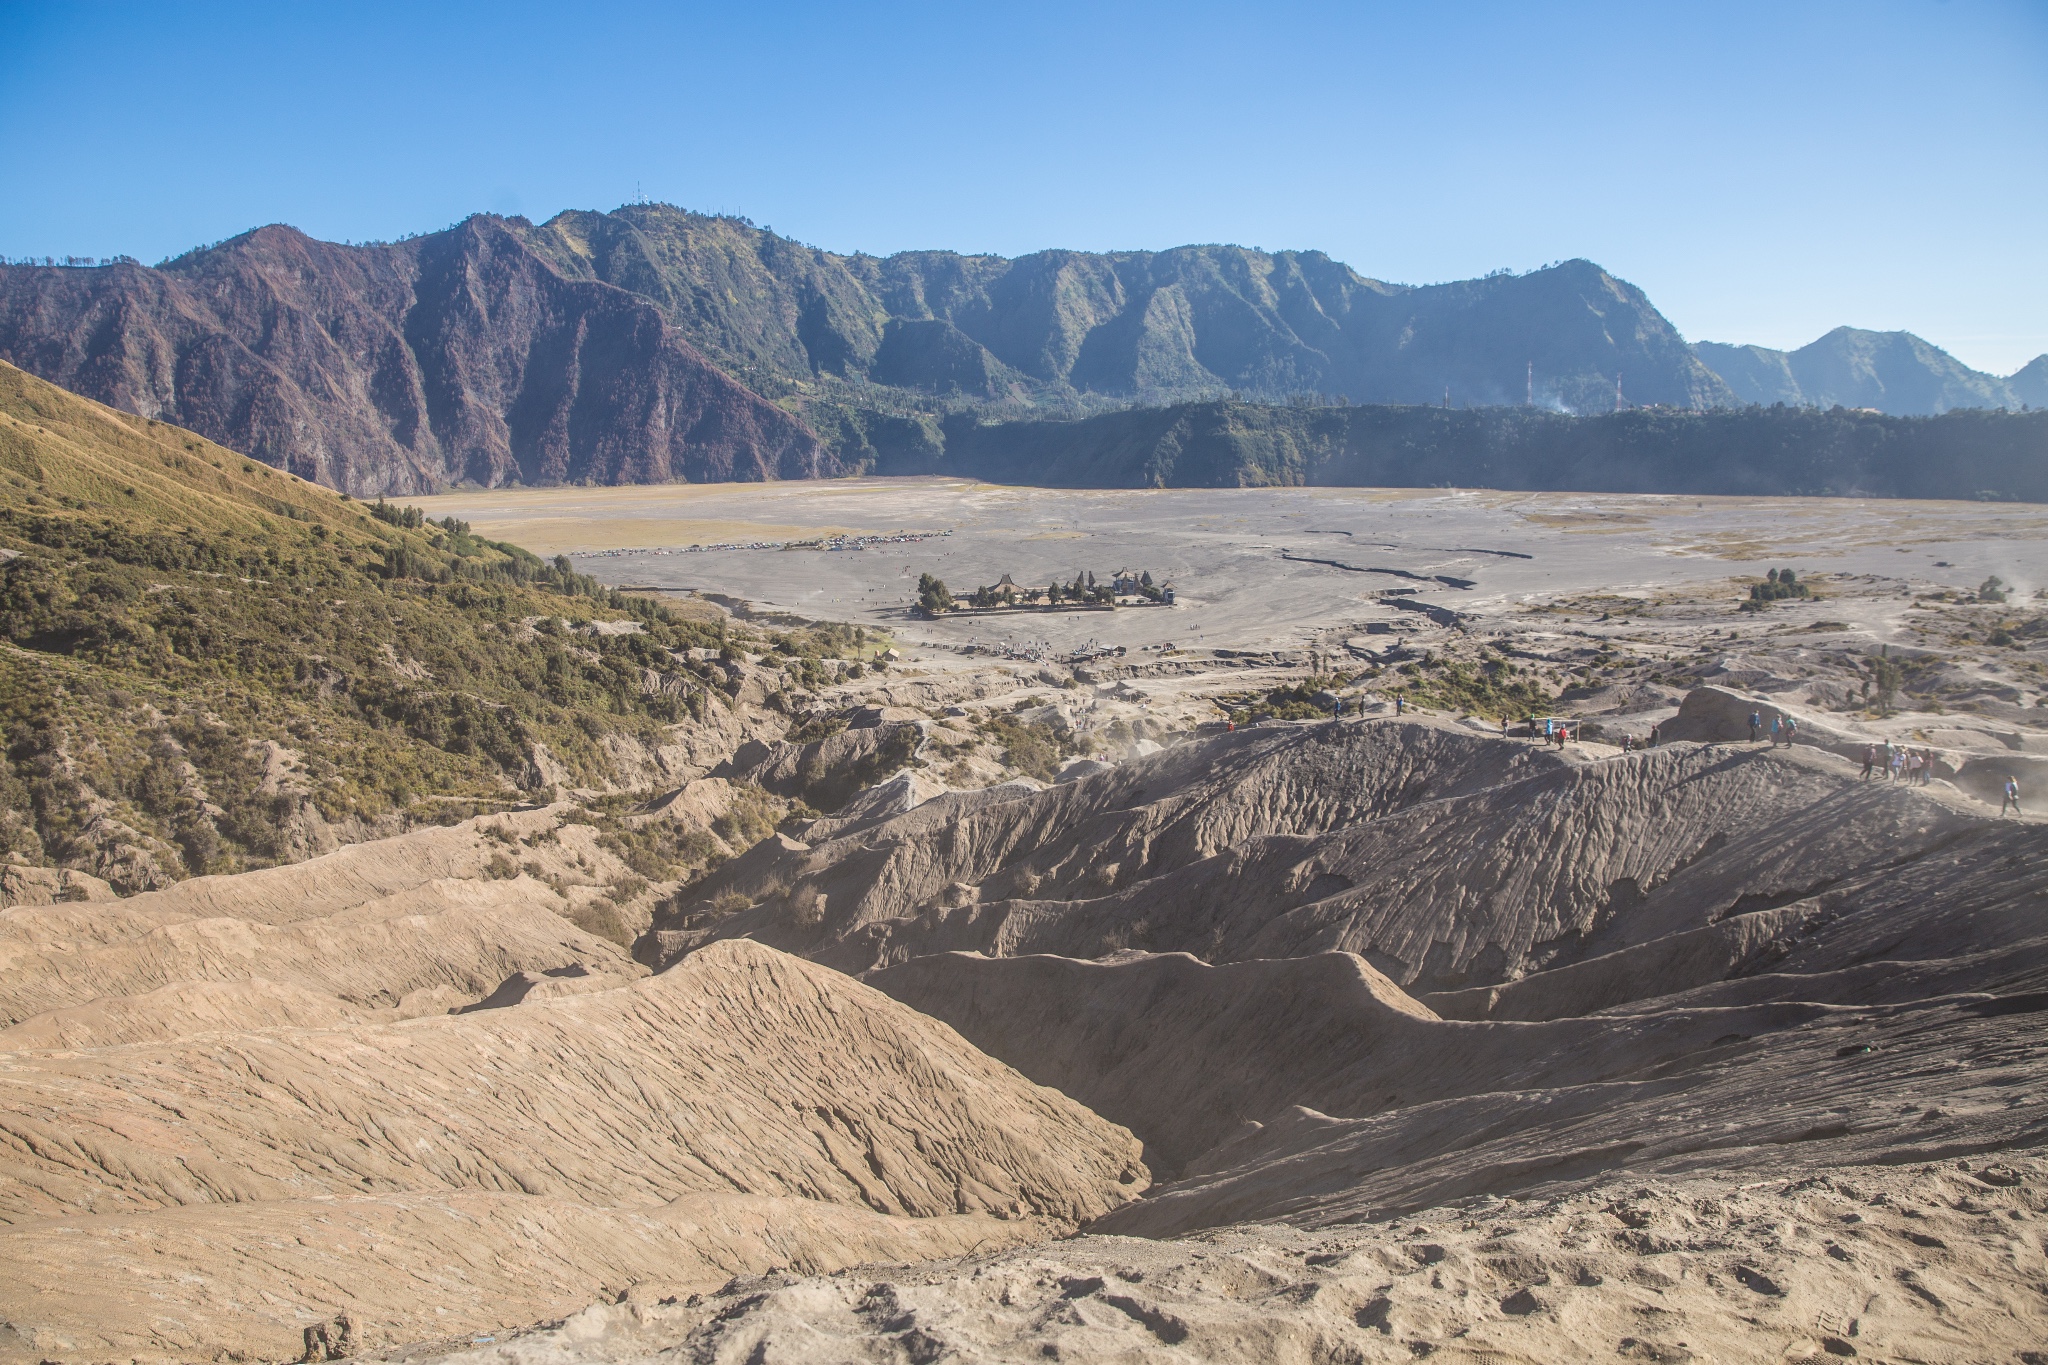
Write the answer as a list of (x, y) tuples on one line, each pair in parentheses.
[(1765, 171)]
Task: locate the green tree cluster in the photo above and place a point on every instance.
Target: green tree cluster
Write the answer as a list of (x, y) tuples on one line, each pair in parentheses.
[(1886, 677), (933, 599), (1780, 585)]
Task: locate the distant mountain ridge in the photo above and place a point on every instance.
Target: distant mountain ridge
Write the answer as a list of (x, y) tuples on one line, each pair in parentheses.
[(1145, 325), (1893, 372), (455, 357), (652, 344)]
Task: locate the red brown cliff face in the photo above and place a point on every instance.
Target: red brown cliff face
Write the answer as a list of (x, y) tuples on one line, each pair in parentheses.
[(456, 357)]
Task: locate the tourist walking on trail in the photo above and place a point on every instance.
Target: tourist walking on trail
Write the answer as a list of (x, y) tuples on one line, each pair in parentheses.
[(2012, 796), (1791, 731), (1869, 761), (1756, 727), (1400, 704)]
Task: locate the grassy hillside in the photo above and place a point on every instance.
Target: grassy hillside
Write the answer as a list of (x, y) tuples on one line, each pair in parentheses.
[(204, 661)]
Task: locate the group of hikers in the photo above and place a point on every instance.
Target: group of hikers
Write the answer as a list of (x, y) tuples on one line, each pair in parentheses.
[(1555, 732), (1784, 729), (1900, 764), (1886, 761), (1560, 733), (1897, 763), (1889, 761)]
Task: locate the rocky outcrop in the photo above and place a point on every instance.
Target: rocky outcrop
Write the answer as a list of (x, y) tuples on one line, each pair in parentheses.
[(21, 884), (825, 773), (460, 356)]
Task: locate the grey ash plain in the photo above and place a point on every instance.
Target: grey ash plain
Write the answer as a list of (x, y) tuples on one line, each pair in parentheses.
[(1253, 568)]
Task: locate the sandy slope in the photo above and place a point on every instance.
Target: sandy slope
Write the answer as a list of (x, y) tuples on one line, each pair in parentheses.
[(1315, 977), (434, 920), (1936, 1262), (742, 1072)]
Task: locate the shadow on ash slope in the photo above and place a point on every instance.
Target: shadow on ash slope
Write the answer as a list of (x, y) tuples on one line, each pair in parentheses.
[(1434, 1043), (1339, 973)]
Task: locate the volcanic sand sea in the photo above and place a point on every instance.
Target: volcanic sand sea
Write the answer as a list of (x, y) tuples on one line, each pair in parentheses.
[(1251, 567), (1416, 1037)]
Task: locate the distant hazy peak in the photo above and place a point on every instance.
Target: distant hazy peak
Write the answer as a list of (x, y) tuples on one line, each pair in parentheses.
[(1894, 372), (2029, 383)]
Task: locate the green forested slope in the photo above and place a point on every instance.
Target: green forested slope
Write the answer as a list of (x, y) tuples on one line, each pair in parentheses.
[(203, 659), (1970, 453)]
